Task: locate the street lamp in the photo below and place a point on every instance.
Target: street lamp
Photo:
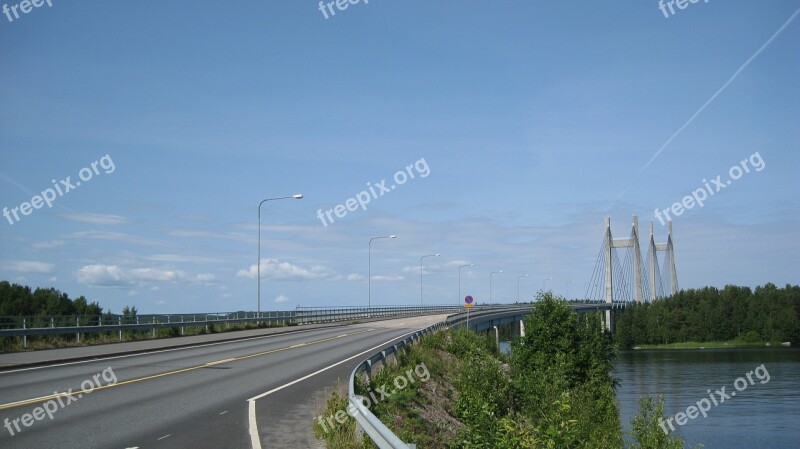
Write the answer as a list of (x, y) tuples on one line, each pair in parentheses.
[(420, 274), (544, 282), (518, 278), (297, 196), (491, 301), (459, 280), (369, 270)]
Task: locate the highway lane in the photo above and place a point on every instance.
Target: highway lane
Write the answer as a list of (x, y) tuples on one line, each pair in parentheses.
[(189, 397)]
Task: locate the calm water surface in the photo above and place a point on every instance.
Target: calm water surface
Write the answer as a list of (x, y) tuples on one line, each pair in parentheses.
[(761, 416)]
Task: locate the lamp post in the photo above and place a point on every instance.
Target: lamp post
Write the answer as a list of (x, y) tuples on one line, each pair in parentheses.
[(420, 274), (490, 285), (544, 282), (518, 278), (297, 196), (369, 268), (459, 280)]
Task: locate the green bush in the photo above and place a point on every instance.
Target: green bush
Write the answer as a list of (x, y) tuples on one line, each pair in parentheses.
[(749, 337), (556, 392)]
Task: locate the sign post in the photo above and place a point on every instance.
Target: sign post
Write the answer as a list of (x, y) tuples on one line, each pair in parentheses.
[(468, 303)]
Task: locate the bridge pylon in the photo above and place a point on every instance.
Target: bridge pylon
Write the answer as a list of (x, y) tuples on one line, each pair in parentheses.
[(653, 274), (623, 281)]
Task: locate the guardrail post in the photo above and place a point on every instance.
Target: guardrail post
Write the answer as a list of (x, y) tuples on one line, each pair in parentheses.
[(24, 337), (182, 320), (119, 319), (52, 322), (78, 324), (154, 326)]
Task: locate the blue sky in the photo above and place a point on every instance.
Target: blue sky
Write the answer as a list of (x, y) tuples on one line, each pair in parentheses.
[(532, 118)]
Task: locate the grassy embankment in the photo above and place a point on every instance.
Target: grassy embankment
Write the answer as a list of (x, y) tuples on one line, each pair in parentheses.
[(556, 393)]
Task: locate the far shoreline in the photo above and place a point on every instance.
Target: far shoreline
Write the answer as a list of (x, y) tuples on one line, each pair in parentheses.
[(714, 345)]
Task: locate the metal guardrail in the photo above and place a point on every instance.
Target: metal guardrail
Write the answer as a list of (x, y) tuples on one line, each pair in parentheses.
[(55, 325), (383, 437)]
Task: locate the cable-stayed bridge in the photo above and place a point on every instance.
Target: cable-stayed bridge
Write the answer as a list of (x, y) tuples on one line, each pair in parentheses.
[(620, 272)]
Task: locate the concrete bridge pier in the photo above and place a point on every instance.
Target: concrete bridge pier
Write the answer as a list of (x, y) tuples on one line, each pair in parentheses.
[(518, 328)]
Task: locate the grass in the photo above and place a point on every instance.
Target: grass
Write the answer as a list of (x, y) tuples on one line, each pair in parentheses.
[(335, 433), (419, 413)]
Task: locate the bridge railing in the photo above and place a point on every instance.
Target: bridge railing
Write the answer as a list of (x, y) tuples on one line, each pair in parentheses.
[(65, 321), (383, 437), (25, 326)]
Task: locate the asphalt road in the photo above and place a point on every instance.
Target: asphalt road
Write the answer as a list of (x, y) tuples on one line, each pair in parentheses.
[(262, 392)]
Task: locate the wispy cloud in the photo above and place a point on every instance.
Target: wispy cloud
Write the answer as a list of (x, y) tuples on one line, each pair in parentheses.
[(49, 244), (179, 258), (98, 219), (388, 278), (26, 266), (206, 278), (285, 271), (204, 234), (455, 263), (119, 237), (426, 269)]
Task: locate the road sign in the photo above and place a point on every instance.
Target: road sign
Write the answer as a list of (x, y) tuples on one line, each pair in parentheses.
[(468, 301)]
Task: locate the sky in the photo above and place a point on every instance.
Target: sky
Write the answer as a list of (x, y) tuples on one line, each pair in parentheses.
[(524, 124)]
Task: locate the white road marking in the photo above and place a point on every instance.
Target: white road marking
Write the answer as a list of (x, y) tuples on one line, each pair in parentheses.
[(165, 436), (255, 441), (223, 413)]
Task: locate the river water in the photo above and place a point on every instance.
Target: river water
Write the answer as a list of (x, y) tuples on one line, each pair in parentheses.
[(764, 414)]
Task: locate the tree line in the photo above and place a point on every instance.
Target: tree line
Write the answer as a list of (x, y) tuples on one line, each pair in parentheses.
[(19, 300), (767, 313)]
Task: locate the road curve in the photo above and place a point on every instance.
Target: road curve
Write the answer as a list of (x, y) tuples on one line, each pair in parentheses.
[(256, 393)]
